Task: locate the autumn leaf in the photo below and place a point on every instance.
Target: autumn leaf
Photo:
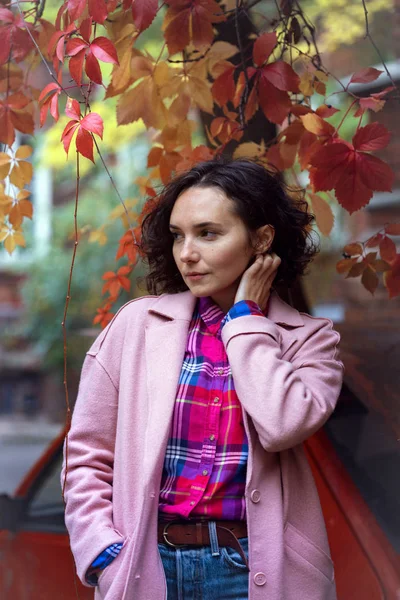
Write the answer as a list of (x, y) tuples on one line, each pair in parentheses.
[(49, 99), (371, 137), (223, 88), (11, 238), (116, 281), (323, 214), (365, 75), (82, 51), (392, 229), (387, 249), (21, 208), (15, 113), (369, 279), (263, 47), (92, 123), (391, 278), (373, 102), (143, 12), (103, 316), (190, 21), (16, 43), (128, 246), (354, 175), (190, 157)]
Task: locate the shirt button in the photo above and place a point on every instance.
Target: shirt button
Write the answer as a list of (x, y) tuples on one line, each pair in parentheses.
[(192, 503), (216, 399), (255, 496), (220, 371), (205, 472), (260, 578), (212, 437)]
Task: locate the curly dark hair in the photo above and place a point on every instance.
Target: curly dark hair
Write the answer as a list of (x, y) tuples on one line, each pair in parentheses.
[(260, 197)]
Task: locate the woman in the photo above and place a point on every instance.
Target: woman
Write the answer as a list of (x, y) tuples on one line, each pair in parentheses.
[(186, 474)]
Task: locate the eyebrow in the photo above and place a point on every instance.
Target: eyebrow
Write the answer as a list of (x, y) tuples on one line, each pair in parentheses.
[(199, 225)]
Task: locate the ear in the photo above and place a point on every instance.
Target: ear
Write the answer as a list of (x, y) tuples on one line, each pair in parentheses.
[(264, 238)]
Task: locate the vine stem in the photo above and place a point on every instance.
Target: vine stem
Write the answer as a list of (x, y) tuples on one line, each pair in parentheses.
[(345, 115), (63, 324)]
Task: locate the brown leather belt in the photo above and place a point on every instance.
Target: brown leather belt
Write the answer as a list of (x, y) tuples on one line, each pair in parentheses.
[(196, 533)]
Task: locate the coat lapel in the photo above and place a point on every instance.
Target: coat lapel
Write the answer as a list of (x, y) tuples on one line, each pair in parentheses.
[(166, 334)]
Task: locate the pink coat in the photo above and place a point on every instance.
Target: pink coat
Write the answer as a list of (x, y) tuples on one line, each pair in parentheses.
[(287, 376)]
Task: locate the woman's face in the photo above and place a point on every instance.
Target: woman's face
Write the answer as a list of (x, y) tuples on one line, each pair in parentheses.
[(211, 245)]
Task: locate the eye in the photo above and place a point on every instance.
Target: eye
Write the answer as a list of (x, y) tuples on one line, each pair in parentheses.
[(175, 235), (208, 234)]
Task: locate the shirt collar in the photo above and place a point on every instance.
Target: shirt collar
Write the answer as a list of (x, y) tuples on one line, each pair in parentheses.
[(210, 312)]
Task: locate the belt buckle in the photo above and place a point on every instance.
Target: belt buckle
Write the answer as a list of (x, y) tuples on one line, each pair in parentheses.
[(165, 534)]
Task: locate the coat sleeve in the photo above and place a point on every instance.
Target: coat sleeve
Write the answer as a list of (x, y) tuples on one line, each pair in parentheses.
[(88, 461), (287, 401)]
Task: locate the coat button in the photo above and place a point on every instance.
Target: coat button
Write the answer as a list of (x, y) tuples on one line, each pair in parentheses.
[(255, 496), (260, 578)]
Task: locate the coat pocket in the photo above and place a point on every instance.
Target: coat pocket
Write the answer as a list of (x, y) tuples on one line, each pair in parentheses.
[(308, 552), (110, 573)]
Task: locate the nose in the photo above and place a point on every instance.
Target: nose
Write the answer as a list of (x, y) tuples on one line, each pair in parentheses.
[(188, 252)]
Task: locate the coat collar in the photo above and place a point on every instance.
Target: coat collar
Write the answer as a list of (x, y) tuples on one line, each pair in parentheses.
[(180, 307)]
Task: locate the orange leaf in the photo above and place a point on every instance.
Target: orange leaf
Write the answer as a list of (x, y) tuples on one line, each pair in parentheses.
[(354, 249), (344, 265), (323, 214), (314, 124)]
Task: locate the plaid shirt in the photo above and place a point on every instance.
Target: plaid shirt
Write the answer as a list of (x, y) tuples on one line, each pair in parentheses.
[(204, 472)]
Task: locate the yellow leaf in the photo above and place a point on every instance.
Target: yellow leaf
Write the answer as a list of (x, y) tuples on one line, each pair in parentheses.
[(306, 84), (161, 74), (98, 236), (200, 92), (248, 150), (21, 173), (323, 214), (220, 51), (23, 152), (5, 162)]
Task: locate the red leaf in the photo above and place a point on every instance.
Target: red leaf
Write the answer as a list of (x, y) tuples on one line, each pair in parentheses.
[(328, 165), (365, 75), (143, 13), (98, 10), (282, 76), (86, 29), (76, 8), (263, 47), (72, 109), (94, 123), (76, 65), (376, 174), (104, 50), (314, 124), (393, 229), (54, 107), (74, 46), (373, 136), (392, 278), (68, 133), (177, 33), (369, 279), (223, 88), (92, 68), (50, 87), (274, 103), (84, 144), (387, 249)]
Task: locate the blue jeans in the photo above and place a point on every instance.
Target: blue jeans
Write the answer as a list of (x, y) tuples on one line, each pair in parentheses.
[(205, 572)]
